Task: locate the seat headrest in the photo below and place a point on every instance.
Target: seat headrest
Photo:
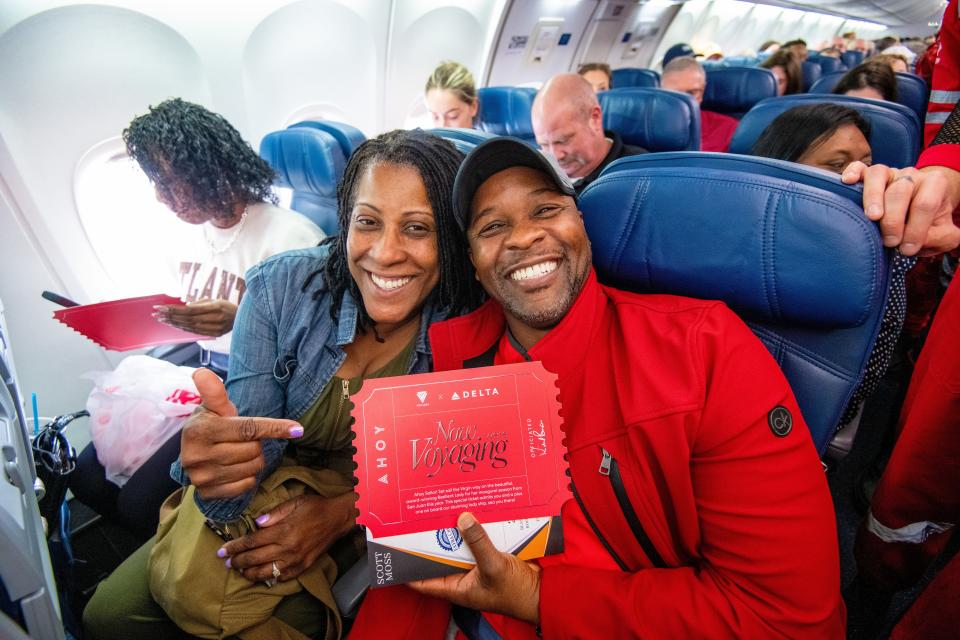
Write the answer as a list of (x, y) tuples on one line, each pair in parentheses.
[(633, 77), (505, 111), (831, 65), (311, 162), (463, 139), (911, 90), (742, 61), (734, 90), (655, 119), (347, 135), (895, 133), (851, 58), (804, 267), (740, 230), (811, 73)]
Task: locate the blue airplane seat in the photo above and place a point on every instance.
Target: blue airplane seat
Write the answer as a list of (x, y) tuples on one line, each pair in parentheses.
[(655, 119), (742, 61), (811, 73), (734, 90), (505, 111), (634, 77), (851, 58), (829, 64), (347, 135), (463, 139), (911, 90), (311, 162), (895, 135), (799, 263)]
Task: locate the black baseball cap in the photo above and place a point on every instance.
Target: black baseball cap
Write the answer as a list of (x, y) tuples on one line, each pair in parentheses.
[(680, 50), (492, 157)]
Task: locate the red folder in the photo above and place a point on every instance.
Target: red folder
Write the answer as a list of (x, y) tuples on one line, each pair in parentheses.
[(122, 325)]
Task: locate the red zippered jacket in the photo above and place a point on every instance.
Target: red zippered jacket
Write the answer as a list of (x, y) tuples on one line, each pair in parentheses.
[(685, 400)]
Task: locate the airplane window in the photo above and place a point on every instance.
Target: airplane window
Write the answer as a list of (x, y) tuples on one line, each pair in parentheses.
[(126, 226)]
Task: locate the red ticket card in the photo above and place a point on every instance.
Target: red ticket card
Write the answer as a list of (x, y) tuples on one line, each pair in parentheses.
[(122, 325), (432, 446)]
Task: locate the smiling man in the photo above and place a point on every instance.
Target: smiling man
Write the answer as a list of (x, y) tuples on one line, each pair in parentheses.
[(699, 506)]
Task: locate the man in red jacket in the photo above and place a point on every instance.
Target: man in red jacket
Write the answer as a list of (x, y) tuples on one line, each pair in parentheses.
[(700, 508)]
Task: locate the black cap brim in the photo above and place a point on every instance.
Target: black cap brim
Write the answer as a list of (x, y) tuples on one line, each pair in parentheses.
[(492, 157)]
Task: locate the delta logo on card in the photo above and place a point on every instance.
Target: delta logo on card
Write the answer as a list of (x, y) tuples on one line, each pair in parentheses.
[(431, 446)]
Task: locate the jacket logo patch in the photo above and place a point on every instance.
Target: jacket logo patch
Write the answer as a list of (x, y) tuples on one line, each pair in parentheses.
[(780, 421)]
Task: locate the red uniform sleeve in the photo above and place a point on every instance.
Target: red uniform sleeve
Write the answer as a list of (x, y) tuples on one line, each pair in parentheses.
[(769, 560)]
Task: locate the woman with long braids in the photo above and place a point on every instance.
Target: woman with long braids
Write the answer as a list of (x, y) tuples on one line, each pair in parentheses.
[(313, 325), (212, 179)]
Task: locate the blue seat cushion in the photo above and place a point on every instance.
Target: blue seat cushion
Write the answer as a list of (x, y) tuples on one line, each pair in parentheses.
[(633, 77), (655, 119), (733, 91)]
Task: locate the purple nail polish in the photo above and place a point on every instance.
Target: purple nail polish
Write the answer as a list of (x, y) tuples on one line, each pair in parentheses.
[(221, 553), (229, 565), (296, 432), (264, 519)]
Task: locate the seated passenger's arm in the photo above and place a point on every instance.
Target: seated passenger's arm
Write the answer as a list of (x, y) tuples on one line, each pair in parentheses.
[(227, 485), (767, 534)]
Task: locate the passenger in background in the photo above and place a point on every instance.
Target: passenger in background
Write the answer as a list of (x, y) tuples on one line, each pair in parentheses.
[(679, 50), (831, 52), (451, 96), (598, 75), (886, 42), (710, 51), (568, 123), (826, 136), (908, 55), (210, 178), (786, 67), (798, 47), (898, 63), (686, 75), (769, 47), (356, 307), (871, 79)]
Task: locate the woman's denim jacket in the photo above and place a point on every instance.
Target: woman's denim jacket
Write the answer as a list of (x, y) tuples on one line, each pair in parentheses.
[(285, 349)]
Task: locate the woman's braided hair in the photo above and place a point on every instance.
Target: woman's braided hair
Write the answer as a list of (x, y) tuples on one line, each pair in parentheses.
[(181, 145), (437, 161)]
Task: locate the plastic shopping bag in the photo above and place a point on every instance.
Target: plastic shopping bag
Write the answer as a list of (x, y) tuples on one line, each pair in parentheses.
[(135, 408)]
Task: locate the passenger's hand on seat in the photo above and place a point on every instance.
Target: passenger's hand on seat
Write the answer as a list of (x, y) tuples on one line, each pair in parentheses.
[(206, 317), (293, 535), (914, 207), (220, 451), (500, 583)]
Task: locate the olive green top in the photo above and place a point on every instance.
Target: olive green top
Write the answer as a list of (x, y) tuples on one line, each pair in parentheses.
[(326, 424)]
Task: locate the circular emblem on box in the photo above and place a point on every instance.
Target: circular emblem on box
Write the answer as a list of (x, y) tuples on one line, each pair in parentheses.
[(449, 539)]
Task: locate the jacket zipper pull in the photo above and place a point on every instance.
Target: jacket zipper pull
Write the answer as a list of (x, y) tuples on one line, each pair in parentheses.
[(345, 384), (605, 462)]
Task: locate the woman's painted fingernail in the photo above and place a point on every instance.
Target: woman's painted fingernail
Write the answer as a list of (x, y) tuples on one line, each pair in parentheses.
[(296, 432), (229, 564), (221, 553), (264, 519)]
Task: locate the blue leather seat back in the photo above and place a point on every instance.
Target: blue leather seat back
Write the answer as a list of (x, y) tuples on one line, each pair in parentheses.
[(505, 111), (851, 58), (633, 77), (911, 90), (655, 119), (811, 73), (831, 65), (803, 266), (347, 135), (311, 162), (895, 134), (463, 139), (735, 90)]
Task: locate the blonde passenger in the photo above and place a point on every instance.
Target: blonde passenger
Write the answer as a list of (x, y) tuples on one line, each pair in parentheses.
[(451, 96)]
